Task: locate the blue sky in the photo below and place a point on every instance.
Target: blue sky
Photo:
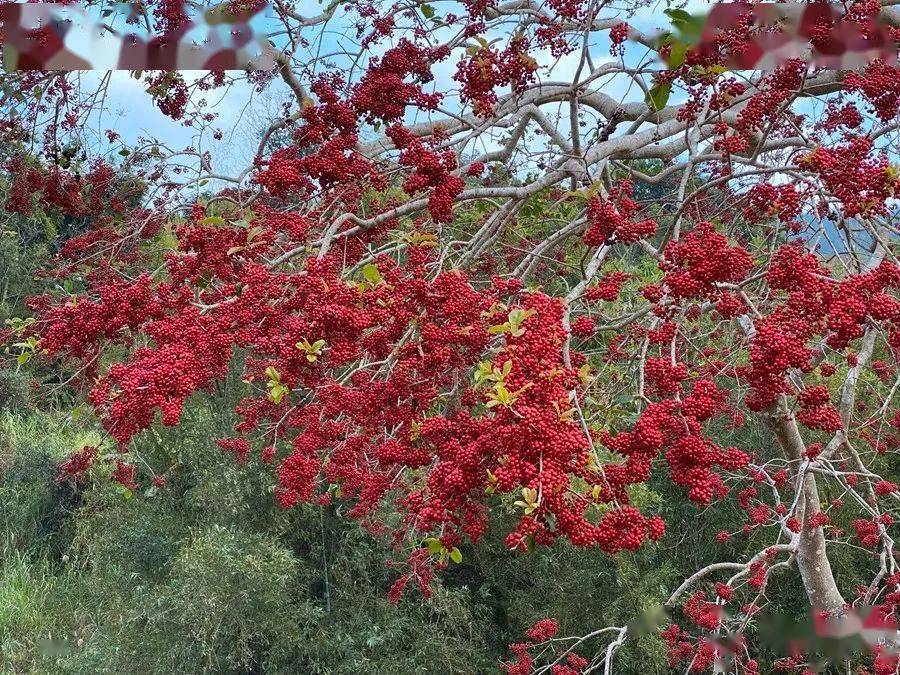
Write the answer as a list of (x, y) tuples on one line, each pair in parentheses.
[(242, 112)]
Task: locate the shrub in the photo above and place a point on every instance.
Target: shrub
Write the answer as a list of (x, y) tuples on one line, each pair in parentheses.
[(15, 393)]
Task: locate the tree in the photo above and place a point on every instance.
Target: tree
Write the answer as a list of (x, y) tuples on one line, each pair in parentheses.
[(432, 341)]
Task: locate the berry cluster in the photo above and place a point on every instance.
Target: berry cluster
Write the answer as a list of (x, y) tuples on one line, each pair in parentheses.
[(608, 287), (538, 637), (78, 463), (860, 179), (765, 201), (487, 69), (432, 171), (613, 219), (383, 92), (700, 260)]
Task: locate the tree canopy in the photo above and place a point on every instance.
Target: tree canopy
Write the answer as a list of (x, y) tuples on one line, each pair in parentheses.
[(502, 269)]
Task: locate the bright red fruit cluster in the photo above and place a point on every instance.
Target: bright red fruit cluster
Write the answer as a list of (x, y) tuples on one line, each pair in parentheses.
[(488, 69), (538, 636), (78, 463), (701, 260), (392, 356), (816, 304), (613, 219), (432, 170)]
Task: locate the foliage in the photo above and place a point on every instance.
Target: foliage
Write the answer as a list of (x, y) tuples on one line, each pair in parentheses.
[(534, 341), (206, 577)]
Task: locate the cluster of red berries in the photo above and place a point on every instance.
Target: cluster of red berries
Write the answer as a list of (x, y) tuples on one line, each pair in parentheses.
[(170, 91), (74, 329), (170, 15), (538, 636), (663, 428), (56, 189), (124, 475), (765, 201), (815, 304), (880, 84), (488, 69), (78, 463), (773, 90), (419, 569), (866, 532), (618, 34), (583, 326), (432, 171), (700, 260), (607, 287), (550, 35), (613, 219), (383, 92), (816, 410), (846, 116), (856, 176)]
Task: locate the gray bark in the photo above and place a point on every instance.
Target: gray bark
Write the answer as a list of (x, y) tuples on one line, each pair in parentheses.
[(812, 557)]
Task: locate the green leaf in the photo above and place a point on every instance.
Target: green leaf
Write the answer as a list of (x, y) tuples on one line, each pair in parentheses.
[(502, 328), (371, 274), (434, 545), (676, 54), (677, 16), (313, 351), (483, 372), (658, 96), (516, 318), (277, 392), (689, 26), (456, 555)]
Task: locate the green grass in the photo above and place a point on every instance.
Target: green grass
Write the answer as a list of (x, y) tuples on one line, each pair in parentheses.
[(30, 629)]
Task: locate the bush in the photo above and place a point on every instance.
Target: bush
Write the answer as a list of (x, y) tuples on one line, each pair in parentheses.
[(207, 575), (15, 392), (229, 606), (247, 606)]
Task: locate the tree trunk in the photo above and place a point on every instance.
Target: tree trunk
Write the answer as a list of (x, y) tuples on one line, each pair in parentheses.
[(812, 558)]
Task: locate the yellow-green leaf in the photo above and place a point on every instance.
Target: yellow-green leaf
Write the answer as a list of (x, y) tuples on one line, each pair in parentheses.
[(371, 274)]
